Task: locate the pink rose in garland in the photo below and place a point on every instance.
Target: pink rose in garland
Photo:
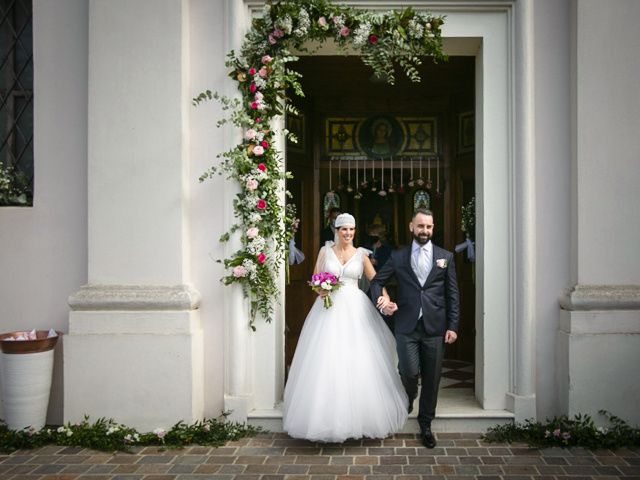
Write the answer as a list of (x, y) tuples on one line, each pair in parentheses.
[(266, 59), (252, 71), (239, 271), (262, 167), (272, 39), (344, 31), (264, 144), (254, 105), (322, 22), (252, 184), (262, 258), (253, 87), (258, 150), (373, 39), (250, 134), (252, 232), (262, 72), (261, 205)]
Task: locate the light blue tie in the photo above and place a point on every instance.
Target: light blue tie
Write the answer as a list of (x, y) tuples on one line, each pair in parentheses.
[(423, 264)]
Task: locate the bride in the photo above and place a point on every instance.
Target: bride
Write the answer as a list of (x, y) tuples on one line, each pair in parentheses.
[(343, 381)]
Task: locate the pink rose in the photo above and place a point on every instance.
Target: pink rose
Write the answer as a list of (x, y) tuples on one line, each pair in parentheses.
[(253, 88), (278, 33), (344, 31), (254, 105), (262, 167), (272, 39), (266, 59), (373, 39), (322, 22), (259, 96), (261, 205), (250, 134), (258, 120), (261, 258), (239, 271), (262, 72), (252, 184), (264, 144), (252, 71), (252, 232), (258, 150)]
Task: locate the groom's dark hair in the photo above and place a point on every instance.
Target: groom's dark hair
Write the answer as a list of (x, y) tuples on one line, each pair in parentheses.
[(423, 211)]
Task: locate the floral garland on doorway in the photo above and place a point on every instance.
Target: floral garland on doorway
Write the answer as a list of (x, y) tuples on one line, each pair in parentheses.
[(382, 39)]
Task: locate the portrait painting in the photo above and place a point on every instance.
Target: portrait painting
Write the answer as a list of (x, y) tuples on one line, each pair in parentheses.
[(380, 136)]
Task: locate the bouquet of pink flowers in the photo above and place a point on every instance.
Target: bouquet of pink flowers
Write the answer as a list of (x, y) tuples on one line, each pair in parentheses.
[(325, 282)]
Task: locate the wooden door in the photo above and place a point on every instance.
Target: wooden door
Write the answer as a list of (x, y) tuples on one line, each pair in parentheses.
[(298, 294)]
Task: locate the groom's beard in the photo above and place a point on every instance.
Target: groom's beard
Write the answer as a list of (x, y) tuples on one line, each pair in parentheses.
[(422, 239)]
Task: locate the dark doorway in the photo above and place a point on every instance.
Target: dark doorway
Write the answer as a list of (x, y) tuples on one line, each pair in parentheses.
[(377, 151)]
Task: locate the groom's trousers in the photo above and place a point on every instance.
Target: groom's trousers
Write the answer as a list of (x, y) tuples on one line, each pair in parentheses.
[(420, 356)]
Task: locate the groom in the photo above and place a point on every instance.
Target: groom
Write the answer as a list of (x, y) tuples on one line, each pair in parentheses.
[(426, 316)]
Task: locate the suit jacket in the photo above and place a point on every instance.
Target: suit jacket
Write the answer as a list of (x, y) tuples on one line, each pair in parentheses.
[(438, 297)]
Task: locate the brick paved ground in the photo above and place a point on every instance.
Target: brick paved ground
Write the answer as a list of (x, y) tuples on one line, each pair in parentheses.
[(274, 456)]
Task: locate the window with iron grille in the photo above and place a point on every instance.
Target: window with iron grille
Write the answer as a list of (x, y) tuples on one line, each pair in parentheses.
[(16, 102)]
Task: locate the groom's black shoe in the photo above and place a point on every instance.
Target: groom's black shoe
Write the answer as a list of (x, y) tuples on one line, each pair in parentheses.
[(410, 407), (428, 440)]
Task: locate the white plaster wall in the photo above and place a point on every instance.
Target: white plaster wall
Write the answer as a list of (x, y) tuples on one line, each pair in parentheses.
[(137, 142), (43, 257), (208, 207), (598, 354), (607, 142), (553, 181)]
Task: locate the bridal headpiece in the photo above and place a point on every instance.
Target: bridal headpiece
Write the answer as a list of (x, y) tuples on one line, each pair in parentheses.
[(345, 219)]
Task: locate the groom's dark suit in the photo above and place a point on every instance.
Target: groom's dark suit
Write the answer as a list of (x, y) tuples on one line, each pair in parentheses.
[(421, 344)]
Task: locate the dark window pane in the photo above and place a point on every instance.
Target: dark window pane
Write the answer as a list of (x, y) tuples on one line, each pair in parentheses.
[(16, 96)]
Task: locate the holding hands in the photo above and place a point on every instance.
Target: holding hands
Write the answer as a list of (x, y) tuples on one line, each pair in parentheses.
[(385, 305)]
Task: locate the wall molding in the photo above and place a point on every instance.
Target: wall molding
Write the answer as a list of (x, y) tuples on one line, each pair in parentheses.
[(135, 297)]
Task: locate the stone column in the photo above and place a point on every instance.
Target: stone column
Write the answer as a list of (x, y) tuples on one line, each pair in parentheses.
[(521, 398), (134, 349), (599, 334)]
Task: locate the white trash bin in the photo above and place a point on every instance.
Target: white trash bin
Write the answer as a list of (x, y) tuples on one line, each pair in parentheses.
[(27, 369)]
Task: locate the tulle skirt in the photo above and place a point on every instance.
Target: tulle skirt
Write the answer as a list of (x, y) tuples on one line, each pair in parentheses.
[(343, 382)]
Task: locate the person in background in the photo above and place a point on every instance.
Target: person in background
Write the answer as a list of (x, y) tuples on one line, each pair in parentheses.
[(329, 231)]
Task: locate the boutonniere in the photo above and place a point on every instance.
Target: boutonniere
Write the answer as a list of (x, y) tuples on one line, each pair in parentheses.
[(441, 263)]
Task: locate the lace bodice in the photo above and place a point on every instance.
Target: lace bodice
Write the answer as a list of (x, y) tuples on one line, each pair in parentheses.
[(350, 272)]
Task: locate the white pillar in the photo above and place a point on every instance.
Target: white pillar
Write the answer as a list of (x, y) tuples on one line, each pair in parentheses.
[(599, 332), (522, 395), (134, 349), (238, 398)]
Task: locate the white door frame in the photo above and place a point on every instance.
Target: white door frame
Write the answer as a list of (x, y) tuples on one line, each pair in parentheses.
[(499, 35)]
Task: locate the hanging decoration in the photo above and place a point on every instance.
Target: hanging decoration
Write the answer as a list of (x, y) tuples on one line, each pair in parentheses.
[(382, 191), (382, 39), (357, 195), (420, 180)]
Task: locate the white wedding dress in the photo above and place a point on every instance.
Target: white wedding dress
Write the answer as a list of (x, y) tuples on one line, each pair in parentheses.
[(344, 381)]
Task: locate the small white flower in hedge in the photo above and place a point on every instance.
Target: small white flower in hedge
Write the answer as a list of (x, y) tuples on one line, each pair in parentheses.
[(441, 263), (160, 433)]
